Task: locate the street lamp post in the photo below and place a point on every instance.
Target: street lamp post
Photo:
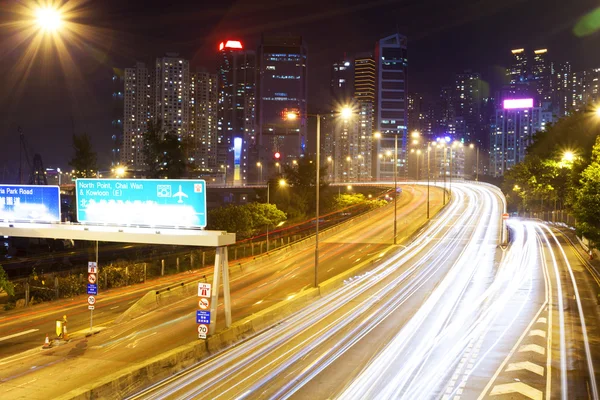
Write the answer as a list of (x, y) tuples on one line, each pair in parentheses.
[(395, 185), (259, 165), (428, 149), (476, 161), (346, 113), (281, 183)]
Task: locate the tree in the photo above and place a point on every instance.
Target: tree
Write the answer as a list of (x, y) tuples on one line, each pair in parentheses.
[(298, 200), (245, 220), (6, 285), (152, 149), (84, 159), (587, 200), (173, 157)]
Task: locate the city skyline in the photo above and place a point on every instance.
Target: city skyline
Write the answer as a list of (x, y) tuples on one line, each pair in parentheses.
[(429, 53)]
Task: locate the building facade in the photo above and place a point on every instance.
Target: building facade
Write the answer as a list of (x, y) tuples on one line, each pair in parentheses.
[(282, 89), (137, 112), (236, 129), (392, 62), (204, 101)]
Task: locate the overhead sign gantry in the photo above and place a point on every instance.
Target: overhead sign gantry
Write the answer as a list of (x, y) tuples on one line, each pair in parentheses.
[(152, 211)]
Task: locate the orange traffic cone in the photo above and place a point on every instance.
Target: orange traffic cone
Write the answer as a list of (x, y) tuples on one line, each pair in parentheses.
[(46, 343)]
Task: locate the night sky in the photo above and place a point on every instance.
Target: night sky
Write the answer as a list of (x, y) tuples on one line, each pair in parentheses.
[(52, 97)]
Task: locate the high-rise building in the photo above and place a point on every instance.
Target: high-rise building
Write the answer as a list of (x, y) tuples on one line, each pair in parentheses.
[(172, 94), (468, 100), (541, 75), (282, 90), (237, 111), (137, 112), (365, 95), (118, 97), (518, 70), (445, 110), (562, 93), (342, 82), (204, 95), (365, 78), (392, 62), (517, 120)]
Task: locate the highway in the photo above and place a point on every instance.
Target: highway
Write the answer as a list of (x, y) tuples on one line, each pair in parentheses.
[(120, 346), (453, 315)]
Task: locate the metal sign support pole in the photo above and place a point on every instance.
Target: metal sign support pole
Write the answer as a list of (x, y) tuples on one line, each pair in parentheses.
[(214, 298), (91, 319), (226, 293)]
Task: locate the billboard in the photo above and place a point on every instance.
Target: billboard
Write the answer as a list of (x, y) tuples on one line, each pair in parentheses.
[(510, 104), (30, 203), (144, 202)]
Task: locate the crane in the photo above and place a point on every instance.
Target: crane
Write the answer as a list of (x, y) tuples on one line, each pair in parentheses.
[(37, 175)]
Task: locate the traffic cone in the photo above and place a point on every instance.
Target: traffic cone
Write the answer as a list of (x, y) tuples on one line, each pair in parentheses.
[(46, 343), (65, 336)]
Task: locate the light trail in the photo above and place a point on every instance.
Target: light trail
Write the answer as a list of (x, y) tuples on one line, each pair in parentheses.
[(249, 354)]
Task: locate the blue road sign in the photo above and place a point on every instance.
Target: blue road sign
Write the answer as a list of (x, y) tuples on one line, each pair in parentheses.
[(202, 317), (32, 203), (92, 288), (146, 202)]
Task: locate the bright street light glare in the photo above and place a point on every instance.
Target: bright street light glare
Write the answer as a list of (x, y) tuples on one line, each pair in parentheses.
[(120, 171), (598, 112), (346, 112), (48, 19), (568, 156), (282, 182), (291, 116), (415, 134)]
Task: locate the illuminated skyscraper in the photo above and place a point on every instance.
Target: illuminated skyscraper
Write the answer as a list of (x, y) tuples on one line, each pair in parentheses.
[(236, 111), (204, 105), (172, 94), (137, 110), (392, 63), (342, 82), (282, 89)]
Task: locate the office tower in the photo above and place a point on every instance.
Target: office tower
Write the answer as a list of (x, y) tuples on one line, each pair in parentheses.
[(237, 111), (365, 95), (282, 90), (391, 60), (591, 94), (118, 98), (541, 75), (137, 112), (342, 82), (365, 78), (467, 96), (518, 70), (172, 94), (562, 93), (445, 110), (517, 120), (204, 95)]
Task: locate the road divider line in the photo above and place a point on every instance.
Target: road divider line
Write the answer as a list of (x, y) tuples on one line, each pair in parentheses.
[(18, 334)]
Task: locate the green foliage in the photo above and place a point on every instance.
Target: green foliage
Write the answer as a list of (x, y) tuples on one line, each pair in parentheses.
[(587, 200), (165, 153), (245, 220), (84, 159), (5, 284)]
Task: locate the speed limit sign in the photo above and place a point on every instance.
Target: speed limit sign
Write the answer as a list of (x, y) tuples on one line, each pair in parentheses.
[(202, 331)]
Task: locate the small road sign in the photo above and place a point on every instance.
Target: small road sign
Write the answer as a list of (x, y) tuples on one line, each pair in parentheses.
[(505, 216), (204, 304), (90, 307), (203, 317), (92, 267), (202, 331), (92, 289), (92, 278), (204, 290), (91, 300)]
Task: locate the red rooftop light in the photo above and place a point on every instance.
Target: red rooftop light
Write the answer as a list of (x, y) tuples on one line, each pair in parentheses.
[(231, 44)]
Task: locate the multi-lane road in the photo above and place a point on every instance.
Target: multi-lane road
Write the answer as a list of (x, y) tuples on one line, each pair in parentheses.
[(120, 346), (454, 315)]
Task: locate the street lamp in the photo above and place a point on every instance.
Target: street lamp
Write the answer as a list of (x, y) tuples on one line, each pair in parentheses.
[(281, 183), (259, 165), (471, 146), (59, 175), (569, 156), (119, 171), (49, 19), (345, 113)]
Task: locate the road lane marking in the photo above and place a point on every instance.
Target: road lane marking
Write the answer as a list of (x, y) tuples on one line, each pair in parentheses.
[(532, 347), (538, 332), (517, 387), (112, 308), (528, 365), (18, 334)]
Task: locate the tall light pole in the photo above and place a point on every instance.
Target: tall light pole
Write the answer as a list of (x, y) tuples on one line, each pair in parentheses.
[(345, 113), (259, 165), (282, 183), (428, 149), (395, 186), (472, 146)]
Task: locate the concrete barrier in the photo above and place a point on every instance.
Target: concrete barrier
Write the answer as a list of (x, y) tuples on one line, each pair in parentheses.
[(158, 298)]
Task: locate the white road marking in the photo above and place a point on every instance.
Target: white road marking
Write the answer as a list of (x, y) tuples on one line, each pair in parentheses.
[(538, 332), (532, 347), (518, 387), (528, 365), (18, 334), (112, 308)]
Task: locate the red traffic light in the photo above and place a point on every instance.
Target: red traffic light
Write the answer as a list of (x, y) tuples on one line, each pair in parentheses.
[(277, 155)]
